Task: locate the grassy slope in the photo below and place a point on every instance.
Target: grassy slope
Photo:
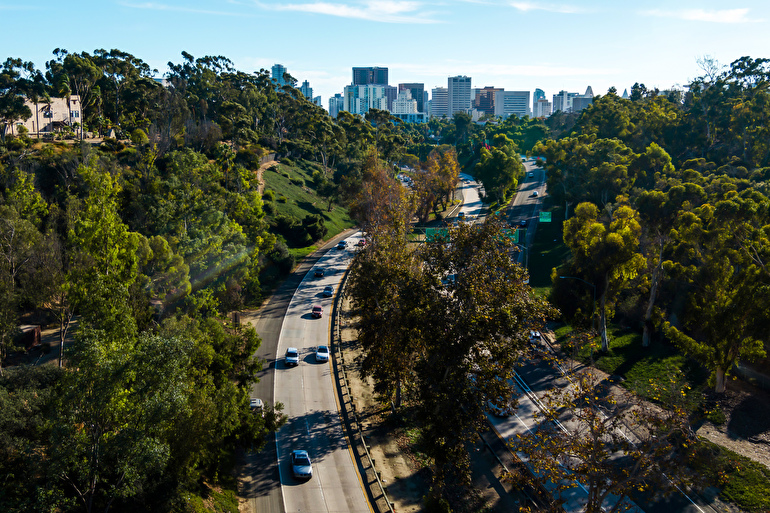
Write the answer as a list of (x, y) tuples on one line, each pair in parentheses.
[(302, 200)]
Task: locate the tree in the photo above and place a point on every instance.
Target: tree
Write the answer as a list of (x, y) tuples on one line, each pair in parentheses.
[(610, 445), (498, 170), (13, 88), (606, 252)]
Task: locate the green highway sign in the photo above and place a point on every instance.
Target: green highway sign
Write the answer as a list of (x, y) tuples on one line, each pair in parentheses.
[(545, 217)]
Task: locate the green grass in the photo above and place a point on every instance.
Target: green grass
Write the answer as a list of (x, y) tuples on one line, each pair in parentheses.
[(300, 253), (741, 481), (302, 200)]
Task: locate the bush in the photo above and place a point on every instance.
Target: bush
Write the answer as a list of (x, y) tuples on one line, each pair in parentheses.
[(297, 181), (282, 199), (268, 195)]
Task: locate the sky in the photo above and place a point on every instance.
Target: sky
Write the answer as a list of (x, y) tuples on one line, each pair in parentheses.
[(516, 45)]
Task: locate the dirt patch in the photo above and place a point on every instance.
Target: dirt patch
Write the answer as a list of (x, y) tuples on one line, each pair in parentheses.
[(746, 430), (261, 169), (401, 475)]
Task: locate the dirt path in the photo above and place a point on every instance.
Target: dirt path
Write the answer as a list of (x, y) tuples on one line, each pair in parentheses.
[(260, 171)]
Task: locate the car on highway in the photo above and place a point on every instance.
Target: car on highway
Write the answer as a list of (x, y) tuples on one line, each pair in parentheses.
[(319, 272), (317, 311), (342, 244), (535, 336), (534, 193), (322, 354), (461, 215), (301, 466), (361, 243), (256, 406), (328, 291), (523, 222), (531, 174), (292, 357)]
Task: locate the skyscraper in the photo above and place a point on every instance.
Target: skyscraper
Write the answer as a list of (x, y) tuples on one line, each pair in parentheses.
[(370, 75), (459, 91), (306, 90), (277, 74), (439, 102), (509, 103)]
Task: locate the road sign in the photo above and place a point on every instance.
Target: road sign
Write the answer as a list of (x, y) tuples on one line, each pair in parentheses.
[(545, 217)]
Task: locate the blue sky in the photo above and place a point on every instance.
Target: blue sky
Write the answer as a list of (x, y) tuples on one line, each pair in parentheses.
[(518, 45)]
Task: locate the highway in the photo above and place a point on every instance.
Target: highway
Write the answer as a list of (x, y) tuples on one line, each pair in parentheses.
[(310, 402)]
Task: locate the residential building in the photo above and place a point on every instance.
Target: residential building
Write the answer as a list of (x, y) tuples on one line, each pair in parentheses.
[(317, 101), (418, 94), (358, 99), (48, 117), (509, 103), (306, 90), (336, 104), (459, 95), (370, 75), (278, 72), (439, 102)]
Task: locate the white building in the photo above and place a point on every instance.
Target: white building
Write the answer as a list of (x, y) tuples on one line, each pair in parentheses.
[(563, 101), (542, 108), (509, 103), (459, 94), (404, 104)]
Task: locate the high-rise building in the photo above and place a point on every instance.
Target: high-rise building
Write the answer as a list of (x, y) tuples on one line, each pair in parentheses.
[(509, 103), (404, 103), (336, 104), (563, 101), (536, 96), (418, 94), (306, 90), (439, 102), (484, 99), (360, 98), (370, 75), (317, 101), (278, 71), (459, 94), (580, 102), (542, 108)]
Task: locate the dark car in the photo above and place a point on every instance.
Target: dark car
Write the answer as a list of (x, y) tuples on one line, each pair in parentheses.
[(328, 291), (318, 273)]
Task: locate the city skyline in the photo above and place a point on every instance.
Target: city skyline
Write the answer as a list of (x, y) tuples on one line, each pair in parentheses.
[(518, 46)]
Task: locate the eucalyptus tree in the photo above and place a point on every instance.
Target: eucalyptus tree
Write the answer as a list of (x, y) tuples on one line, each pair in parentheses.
[(14, 87), (605, 252)]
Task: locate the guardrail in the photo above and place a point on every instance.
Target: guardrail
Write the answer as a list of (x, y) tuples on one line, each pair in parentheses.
[(377, 494)]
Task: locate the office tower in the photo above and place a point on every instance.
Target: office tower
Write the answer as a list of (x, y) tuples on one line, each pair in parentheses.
[(459, 94), (563, 101), (539, 94), (418, 94), (484, 99), (580, 102), (439, 102), (509, 103), (370, 75)]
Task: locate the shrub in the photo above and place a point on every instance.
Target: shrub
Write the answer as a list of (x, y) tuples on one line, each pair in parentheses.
[(268, 195)]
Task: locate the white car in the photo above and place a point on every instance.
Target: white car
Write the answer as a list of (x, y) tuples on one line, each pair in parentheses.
[(322, 354), (292, 357)]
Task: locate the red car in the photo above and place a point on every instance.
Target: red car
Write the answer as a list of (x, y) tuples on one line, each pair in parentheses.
[(317, 311)]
